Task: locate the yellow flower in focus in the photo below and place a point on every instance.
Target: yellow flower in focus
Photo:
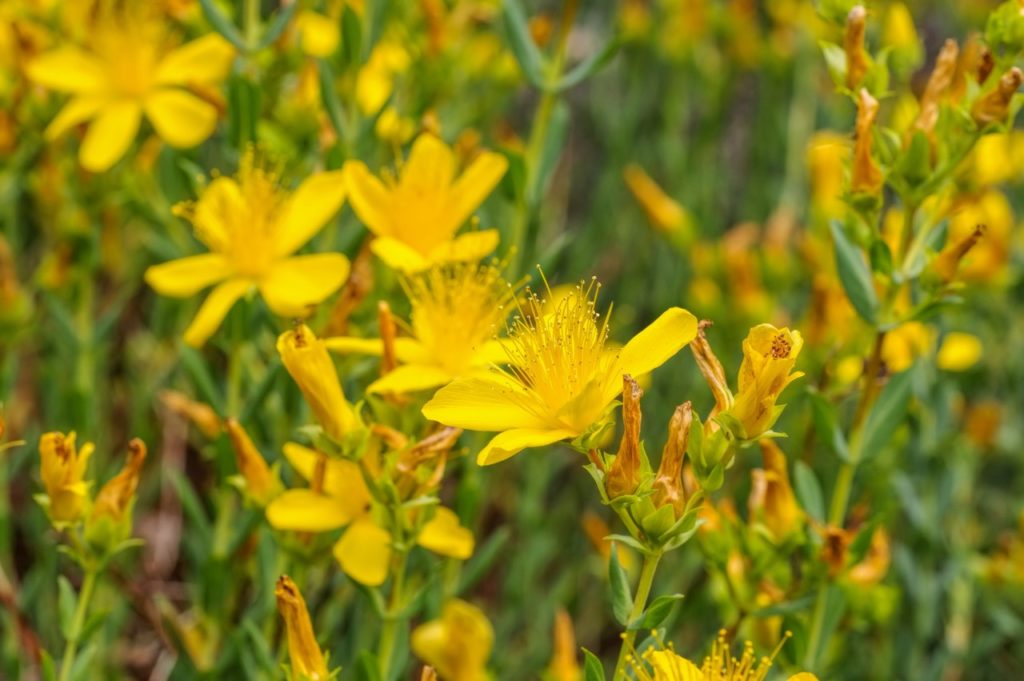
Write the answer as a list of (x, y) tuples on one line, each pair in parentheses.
[(306, 358), (132, 66), (458, 644), (720, 665), (457, 309), (319, 36), (664, 213), (307, 660), (364, 550), (904, 344), (769, 355), (959, 352), (563, 376), (62, 470), (252, 228), (416, 214)]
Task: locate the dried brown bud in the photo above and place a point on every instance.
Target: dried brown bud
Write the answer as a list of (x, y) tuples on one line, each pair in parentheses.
[(388, 332), (866, 178), (994, 106), (986, 64), (711, 369), (668, 483), (201, 415), (115, 496), (853, 44), (938, 83), (946, 263), (623, 474)]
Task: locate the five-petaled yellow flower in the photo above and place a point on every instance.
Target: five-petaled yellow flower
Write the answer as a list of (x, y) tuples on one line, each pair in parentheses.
[(458, 644), (562, 379), (663, 664), (252, 228), (415, 215), (457, 308), (130, 66), (768, 358)]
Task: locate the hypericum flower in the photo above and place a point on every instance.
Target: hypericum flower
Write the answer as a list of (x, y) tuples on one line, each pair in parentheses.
[(416, 214), (364, 550), (768, 358), (665, 665), (307, 660), (252, 228), (62, 470), (563, 377), (458, 644), (306, 358), (130, 66), (959, 351), (457, 308)]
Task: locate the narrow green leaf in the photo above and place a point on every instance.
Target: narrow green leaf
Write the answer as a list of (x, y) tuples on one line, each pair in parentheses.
[(277, 25), (826, 425), (656, 613), (329, 96), (67, 602), (221, 24), (593, 670), (855, 275), (886, 415), (197, 370), (554, 142), (530, 60), (808, 490), (618, 582), (589, 66)]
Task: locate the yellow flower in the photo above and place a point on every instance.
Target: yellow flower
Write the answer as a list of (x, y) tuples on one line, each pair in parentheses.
[(768, 358), (998, 158), (307, 660), (62, 469), (827, 153), (376, 79), (563, 665), (306, 358), (252, 228), (364, 551), (988, 258), (458, 644), (132, 66), (319, 36), (959, 352), (904, 344), (563, 377), (720, 665), (416, 214), (456, 310)]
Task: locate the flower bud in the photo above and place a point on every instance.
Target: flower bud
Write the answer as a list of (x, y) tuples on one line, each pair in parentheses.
[(563, 666), (947, 262), (857, 60), (664, 213), (866, 177), (115, 497), (306, 359), (62, 469), (769, 355), (939, 81), (711, 369), (201, 415), (458, 644), (668, 483), (261, 485), (623, 474), (994, 106), (772, 500), (307, 660)]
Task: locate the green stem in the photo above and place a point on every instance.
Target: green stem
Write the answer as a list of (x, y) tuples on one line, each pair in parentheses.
[(251, 22), (643, 592), (78, 623), (389, 630)]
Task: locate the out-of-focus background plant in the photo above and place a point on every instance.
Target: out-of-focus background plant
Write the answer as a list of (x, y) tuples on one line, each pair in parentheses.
[(222, 222)]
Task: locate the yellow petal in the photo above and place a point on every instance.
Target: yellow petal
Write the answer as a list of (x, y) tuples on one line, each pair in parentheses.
[(205, 60), (444, 535), (214, 309), (68, 69), (318, 35), (78, 110), (303, 510), (492, 352), (219, 203), (652, 347), (398, 256), (370, 198), (406, 349), (181, 119), (296, 284), (430, 167), (410, 378), (314, 202), (469, 246), (475, 183), (803, 676), (185, 277), (487, 404), (342, 478), (667, 665), (959, 352), (511, 442), (110, 135), (364, 552)]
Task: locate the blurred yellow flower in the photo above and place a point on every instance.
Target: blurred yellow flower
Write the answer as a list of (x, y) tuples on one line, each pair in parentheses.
[(663, 212), (130, 66), (376, 79), (307, 361), (563, 665), (772, 500), (988, 258), (364, 550), (769, 355), (959, 351), (416, 214), (827, 155), (458, 644), (904, 344), (319, 36), (252, 228), (307, 660), (998, 158), (563, 378), (62, 469), (457, 309)]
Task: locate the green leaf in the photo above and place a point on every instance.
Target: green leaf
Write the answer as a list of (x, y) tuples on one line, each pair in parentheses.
[(855, 275), (329, 96), (835, 62), (67, 603), (531, 61), (197, 370), (808, 490), (593, 670), (221, 24), (588, 66), (881, 257), (351, 35), (886, 415), (618, 582), (367, 667), (483, 558), (277, 25), (260, 392), (786, 607), (554, 142), (656, 613), (48, 668), (826, 424)]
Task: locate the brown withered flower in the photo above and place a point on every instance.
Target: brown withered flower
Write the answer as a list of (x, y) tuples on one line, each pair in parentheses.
[(623, 474)]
